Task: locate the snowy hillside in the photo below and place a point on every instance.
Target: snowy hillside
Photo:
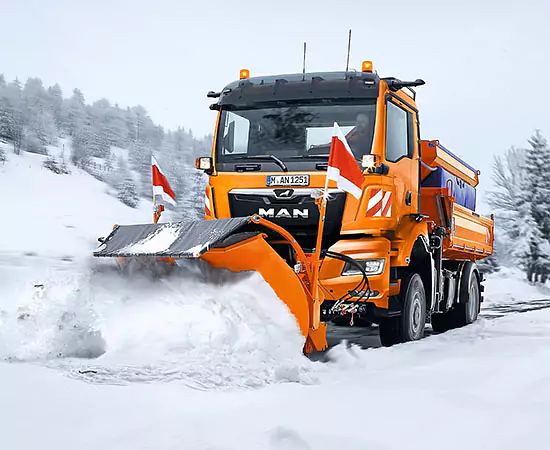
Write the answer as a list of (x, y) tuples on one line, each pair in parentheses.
[(94, 360), (57, 219)]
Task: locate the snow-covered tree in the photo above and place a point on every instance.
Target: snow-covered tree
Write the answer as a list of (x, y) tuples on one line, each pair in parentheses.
[(116, 126), (38, 115), (537, 181), (75, 115), (55, 95), (11, 114), (127, 192), (521, 201), (81, 141), (32, 117), (535, 194)]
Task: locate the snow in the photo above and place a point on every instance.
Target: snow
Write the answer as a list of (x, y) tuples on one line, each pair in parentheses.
[(202, 326), (198, 249), (206, 359), (509, 286), (159, 241), (482, 387)]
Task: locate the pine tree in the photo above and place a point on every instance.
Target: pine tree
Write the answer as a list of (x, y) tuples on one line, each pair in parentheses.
[(535, 207), (538, 181), (38, 115), (2, 155), (11, 114), (100, 145), (6, 119), (116, 127), (55, 95), (81, 139), (75, 114), (127, 192)]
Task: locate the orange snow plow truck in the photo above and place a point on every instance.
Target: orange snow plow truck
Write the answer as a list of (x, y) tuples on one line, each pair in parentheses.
[(401, 256)]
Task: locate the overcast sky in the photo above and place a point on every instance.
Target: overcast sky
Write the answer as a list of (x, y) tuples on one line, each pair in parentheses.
[(486, 63)]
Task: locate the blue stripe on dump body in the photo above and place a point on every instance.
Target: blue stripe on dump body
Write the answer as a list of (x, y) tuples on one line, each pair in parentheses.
[(464, 194)]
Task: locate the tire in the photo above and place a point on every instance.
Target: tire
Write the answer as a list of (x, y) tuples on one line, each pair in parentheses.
[(467, 311), (409, 326)]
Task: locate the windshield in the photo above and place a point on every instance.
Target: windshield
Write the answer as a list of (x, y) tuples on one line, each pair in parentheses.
[(294, 132)]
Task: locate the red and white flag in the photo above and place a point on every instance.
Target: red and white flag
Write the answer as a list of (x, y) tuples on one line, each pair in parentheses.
[(342, 166), (161, 187)]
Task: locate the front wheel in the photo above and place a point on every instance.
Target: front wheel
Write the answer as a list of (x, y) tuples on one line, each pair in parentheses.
[(410, 325)]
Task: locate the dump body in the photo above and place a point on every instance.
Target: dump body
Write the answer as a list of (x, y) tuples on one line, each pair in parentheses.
[(448, 198)]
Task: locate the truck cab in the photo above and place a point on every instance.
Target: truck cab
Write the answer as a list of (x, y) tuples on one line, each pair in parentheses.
[(401, 257)]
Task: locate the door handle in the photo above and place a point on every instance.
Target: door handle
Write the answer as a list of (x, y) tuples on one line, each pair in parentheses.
[(408, 198)]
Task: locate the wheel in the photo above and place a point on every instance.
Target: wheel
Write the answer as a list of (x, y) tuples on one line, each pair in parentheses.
[(409, 326), (413, 315), (467, 310)]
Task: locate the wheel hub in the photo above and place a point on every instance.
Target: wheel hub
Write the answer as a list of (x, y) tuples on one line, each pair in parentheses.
[(416, 313), (472, 301)]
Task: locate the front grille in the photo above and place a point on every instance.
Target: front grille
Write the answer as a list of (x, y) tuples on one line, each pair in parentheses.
[(297, 213)]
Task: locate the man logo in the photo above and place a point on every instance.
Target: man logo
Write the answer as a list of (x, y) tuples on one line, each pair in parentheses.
[(284, 213), (283, 193)]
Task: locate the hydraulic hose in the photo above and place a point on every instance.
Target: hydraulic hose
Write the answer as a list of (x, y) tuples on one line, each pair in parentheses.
[(360, 288)]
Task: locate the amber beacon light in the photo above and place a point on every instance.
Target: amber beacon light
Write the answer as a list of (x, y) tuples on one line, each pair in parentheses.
[(366, 66), (244, 74)]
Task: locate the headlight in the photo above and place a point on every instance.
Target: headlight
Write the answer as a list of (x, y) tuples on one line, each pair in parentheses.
[(371, 266)]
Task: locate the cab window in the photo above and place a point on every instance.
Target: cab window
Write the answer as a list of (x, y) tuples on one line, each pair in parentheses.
[(398, 135)]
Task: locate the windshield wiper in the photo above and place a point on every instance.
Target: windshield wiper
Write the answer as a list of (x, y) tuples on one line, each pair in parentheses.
[(281, 164), (308, 156)]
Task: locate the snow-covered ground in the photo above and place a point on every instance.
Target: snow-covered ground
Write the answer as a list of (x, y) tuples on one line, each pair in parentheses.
[(209, 360)]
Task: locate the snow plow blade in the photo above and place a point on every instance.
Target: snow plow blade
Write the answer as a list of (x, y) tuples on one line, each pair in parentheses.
[(237, 244)]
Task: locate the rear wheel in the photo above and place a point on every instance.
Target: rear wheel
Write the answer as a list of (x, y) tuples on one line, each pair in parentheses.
[(409, 326), (470, 297)]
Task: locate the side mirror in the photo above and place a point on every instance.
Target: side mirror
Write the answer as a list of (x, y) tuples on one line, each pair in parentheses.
[(229, 138), (205, 164)]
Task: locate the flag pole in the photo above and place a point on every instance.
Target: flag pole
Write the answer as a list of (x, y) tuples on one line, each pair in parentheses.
[(316, 261), (156, 212), (161, 190), (155, 216)]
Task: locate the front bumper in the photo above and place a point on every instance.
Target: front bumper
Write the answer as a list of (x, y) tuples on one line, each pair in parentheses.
[(336, 285)]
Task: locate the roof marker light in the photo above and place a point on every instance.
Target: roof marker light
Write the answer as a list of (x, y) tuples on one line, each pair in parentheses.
[(244, 74), (366, 66)]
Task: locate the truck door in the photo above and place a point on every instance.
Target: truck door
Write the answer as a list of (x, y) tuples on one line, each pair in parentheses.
[(401, 155)]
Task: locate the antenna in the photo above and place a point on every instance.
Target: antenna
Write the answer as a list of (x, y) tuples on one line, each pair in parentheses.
[(349, 49), (304, 64)]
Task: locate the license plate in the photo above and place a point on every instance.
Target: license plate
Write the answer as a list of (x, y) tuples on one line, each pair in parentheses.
[(287, 180)]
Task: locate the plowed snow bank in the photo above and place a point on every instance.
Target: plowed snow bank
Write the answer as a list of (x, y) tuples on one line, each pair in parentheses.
[(205, 327)]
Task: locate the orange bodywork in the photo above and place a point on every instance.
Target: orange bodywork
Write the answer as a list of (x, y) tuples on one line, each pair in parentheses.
[(411, 216)]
